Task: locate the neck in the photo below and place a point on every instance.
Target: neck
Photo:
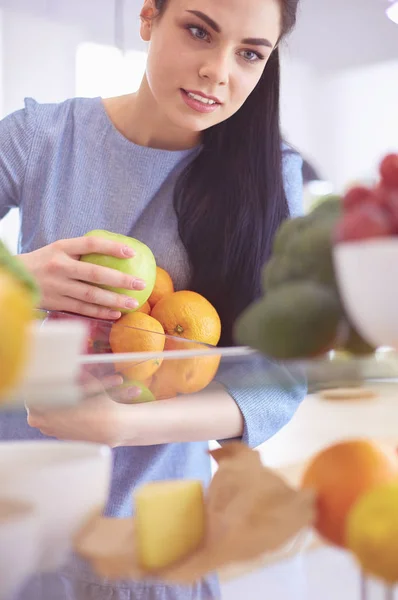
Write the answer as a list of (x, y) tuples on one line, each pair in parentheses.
[(139, 118)]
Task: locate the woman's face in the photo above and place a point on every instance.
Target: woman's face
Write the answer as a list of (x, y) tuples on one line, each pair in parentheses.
[(206, 56)]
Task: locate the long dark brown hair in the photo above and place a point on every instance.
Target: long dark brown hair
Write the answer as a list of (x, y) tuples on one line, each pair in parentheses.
[(230, 200)]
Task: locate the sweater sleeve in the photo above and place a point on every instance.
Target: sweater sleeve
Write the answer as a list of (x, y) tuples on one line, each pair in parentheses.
[(16, 139), (293, 181), (268, 394)]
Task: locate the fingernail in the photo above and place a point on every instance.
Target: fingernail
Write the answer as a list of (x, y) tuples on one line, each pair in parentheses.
[(115, 381), (131, 303), (134, 392), (115, 314), (127, 251), (139, 284)]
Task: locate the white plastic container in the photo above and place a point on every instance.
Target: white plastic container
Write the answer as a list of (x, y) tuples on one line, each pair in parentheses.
[(19, 545), (66, 482)]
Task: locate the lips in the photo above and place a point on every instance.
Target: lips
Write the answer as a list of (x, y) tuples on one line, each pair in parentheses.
[(199, 102), (201, 95)]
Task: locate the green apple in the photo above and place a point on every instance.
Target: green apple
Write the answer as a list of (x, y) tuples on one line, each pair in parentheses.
[(144, 396), (142, 265)]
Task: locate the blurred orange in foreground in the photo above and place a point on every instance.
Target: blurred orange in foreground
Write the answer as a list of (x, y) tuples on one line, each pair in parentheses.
[(340, 475)]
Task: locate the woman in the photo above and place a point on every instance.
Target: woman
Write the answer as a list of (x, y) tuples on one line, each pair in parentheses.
[(192, 166)]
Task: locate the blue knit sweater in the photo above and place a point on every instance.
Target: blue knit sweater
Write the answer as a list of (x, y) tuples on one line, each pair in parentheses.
[(70, 171)]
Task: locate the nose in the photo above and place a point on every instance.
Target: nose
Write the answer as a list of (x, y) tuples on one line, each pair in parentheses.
[(216, 68)]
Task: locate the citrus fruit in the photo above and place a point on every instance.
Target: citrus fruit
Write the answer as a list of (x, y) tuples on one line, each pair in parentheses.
[(16, 315), (145, 308), (188, 315), (372, 532), (163, 286), (340, 475), (184, 376), (137, 332)]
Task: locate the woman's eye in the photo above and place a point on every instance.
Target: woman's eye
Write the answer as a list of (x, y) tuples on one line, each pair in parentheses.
[(198, 32), (251, 56)]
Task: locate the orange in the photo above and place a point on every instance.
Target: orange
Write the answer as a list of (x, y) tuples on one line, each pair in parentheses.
[(184, 376), (137, 332), (163, 287), (340, 475), (145, 308), (163, 385), (188, 315)]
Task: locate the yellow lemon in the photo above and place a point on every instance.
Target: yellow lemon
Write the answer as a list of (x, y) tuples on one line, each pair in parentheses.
[(372, 532), (16, 314)]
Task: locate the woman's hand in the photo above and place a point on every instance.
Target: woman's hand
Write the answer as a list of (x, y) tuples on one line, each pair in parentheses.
[(97, 418), (69, 285), (127, 422)]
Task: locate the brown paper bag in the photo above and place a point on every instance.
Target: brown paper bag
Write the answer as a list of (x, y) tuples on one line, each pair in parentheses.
[(250, 511)]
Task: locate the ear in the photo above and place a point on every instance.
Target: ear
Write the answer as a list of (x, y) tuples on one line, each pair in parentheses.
[(147, 14)]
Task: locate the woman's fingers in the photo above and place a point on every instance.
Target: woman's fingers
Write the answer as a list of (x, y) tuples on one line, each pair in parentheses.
[(97, 245), (91, 294), (113, 385), (93, 386), (89, 310), (101, 275), (125, 395), (75, 286)]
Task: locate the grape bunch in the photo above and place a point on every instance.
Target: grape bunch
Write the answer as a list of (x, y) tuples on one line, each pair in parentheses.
[(370, 213)]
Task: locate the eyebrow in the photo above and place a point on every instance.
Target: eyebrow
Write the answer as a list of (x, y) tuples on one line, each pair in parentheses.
[(211, 23), (257, 42)]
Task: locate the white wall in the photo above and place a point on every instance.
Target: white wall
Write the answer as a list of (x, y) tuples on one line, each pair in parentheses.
[(344, 121), (299, 106), (361, 119), (37, 59)]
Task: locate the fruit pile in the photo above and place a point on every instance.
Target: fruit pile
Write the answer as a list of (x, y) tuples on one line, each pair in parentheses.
[(371, 212), (156, 326), (163, 316), (356, 488), (301, 314)]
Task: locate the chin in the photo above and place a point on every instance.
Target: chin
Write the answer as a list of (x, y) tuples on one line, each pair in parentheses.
[(195, 124)]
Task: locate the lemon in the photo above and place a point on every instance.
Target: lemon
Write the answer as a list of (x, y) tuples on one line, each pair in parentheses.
[(16, 314), (372, 532)]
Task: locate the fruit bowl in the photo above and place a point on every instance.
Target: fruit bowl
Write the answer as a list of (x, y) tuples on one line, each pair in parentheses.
[(184, 367), (368, 283), (70, 356), (365, 254)]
